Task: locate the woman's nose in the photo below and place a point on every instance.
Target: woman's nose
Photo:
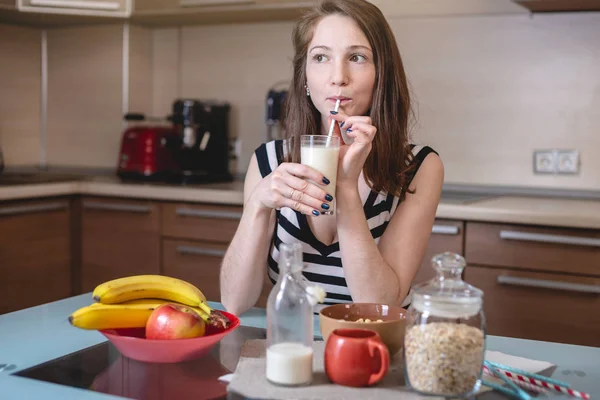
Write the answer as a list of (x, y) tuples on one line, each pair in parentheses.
[(339, 74)]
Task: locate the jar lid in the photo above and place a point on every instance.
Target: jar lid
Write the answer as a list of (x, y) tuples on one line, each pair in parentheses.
[(447, 295)]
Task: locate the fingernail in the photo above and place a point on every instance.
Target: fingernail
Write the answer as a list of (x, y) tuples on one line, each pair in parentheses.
[(342, 124), (325, 206), (333, 112), (326, 181), (328, 197), (348, 130), (316, 213)]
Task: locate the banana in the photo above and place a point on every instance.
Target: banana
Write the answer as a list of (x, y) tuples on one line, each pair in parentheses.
[(155, 303), (130, 314), (118, 291), (148, 286), (104, 316)]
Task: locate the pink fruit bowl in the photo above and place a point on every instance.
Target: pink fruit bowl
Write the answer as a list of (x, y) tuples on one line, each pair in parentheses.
[(132, 343)]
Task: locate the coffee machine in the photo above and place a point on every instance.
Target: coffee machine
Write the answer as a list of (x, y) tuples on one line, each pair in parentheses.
[(275, 105), (205, 149)]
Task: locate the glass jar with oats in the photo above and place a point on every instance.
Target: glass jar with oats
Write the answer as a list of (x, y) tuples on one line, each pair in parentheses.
[(444, 342)]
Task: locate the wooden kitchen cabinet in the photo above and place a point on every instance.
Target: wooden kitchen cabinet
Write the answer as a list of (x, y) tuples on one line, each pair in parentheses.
[(539, 283), (159, 13), (212, 223), (284, 2), (200, 264), (35, 254), (540, 306), (195, 238), (196, 262), (446, 235), (119, 238), (559, 5), (53, 13), (155, 5), (574, 251)]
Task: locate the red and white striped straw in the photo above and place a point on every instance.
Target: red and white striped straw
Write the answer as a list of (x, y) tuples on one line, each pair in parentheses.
[(525, 385), (522, 379)]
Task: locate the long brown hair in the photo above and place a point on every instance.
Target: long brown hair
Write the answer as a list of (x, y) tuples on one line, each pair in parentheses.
[(390, 155)]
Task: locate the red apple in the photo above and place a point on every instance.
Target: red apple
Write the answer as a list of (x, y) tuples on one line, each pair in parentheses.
[(174, 321)]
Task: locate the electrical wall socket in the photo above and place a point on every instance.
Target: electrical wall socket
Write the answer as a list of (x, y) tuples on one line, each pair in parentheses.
[(553, 161), (544, 161), (567, 162)]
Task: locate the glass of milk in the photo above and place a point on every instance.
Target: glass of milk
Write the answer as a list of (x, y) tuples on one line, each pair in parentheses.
[(289, 358), (322, 153)]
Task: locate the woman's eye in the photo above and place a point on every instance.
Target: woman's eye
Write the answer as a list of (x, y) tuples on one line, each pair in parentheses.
[(358, 58), (320, 57)]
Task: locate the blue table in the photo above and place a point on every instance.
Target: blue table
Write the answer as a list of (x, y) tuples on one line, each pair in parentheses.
[(39, 334)]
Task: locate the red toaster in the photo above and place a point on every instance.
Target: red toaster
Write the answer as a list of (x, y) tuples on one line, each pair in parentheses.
[(149, 153)]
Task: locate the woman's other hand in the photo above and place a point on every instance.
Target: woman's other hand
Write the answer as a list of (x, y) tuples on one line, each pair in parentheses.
[(353, 156)]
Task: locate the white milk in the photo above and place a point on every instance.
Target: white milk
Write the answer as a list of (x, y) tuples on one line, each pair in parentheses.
[(324, 160), (289, 364)]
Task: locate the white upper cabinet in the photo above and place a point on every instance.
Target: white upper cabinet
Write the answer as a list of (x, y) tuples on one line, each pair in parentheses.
[(112, 8)]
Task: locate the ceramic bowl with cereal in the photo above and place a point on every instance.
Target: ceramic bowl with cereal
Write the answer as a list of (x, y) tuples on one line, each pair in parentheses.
[(387, 320)]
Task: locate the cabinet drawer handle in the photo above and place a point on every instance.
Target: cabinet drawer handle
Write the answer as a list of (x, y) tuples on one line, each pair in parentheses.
[(200, 251), (445, 229), (83, 5), (546, 238), (190, 212), (92, 205), (542, 283), (32, 208)]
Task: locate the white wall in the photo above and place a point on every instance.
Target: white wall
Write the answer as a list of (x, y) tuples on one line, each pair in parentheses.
[(488, 90)]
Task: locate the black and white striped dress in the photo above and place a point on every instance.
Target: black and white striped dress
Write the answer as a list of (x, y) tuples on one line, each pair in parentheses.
[(323, 262)]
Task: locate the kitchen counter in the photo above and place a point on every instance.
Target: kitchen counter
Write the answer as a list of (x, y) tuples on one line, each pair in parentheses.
[(40, 334), (512, 208), (112, 186)]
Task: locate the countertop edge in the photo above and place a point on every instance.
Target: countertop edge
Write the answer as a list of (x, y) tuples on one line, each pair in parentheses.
[(123, 190), (474, 211), (199, 195)]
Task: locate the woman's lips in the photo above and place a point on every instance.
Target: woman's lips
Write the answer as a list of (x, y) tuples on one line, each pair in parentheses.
[(343, 100)]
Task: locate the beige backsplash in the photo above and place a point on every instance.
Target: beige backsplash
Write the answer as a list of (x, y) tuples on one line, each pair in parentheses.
[(84, 95), (487, 90), (20, 91)]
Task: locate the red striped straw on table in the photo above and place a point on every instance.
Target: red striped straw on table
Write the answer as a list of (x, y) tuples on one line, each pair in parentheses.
[(526, 381), (523, 384)]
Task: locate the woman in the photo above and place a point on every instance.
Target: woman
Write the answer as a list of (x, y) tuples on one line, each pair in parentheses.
[(387, 190)]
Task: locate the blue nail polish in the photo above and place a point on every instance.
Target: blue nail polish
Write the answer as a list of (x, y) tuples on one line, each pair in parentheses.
[(342, 124), (316, 213), (325, 206), (326, 181), (348, 130), (333, 112), (328, 197)]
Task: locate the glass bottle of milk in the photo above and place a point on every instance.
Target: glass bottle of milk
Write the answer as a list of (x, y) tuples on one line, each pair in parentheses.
[(290, 321)]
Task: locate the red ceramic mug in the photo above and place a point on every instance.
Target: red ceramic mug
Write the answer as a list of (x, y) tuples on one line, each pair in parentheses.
[(356, 357)]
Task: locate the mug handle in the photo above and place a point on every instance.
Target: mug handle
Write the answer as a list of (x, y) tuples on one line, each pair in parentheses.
[(384, 354)]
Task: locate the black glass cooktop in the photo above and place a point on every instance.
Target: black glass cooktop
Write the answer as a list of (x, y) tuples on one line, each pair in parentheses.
[(103, 369)]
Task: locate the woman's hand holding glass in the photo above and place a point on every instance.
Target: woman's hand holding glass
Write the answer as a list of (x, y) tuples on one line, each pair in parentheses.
[(292, 185)]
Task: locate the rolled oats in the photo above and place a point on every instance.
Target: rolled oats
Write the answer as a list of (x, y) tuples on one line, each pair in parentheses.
[(444, 358)]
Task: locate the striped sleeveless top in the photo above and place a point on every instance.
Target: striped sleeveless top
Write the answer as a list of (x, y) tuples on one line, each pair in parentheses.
[(323, 263)]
